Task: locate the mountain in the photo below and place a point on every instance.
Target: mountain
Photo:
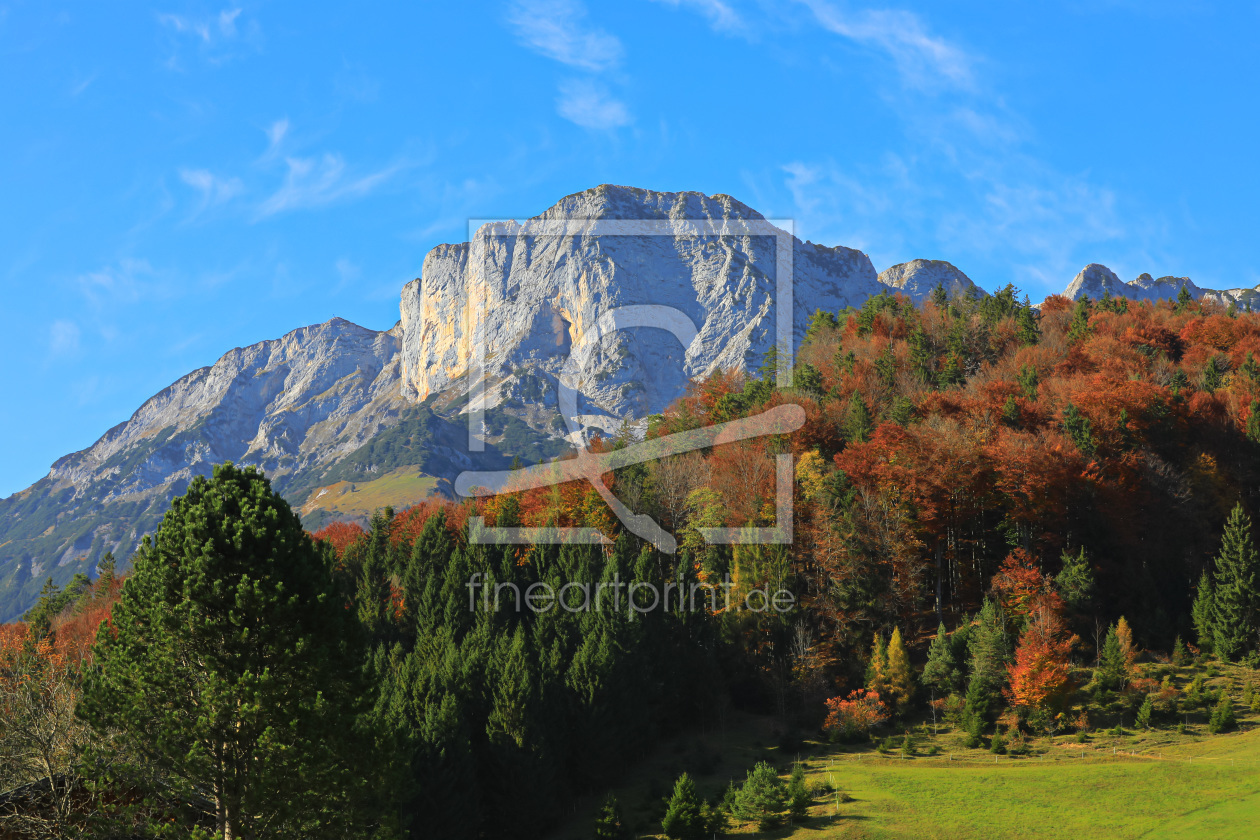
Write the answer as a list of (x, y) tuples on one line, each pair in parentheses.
[(346, 419), (917, 279), (1094, 280)]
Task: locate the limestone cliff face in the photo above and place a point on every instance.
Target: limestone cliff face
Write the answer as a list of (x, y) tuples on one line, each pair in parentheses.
[(283, 405), (917, 279), (531, 298)]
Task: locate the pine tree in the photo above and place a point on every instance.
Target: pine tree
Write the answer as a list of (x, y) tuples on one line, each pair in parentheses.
[(1028, 382), (1236, 602), (1144, 712), (1075, 582), (1203, 611), (762, 798), (1249, 368), (232, 661), (1212, 378), (921, 356), (798, 798), (1026, 329), (1080, 430), (886, 367), (941, 671), (1180, 656), (952, 374), (608, 822), (683, 818), (1184, 299), (990, 651), (900, 675), (1113, 665), (1079, 329), (1178, 382), (940, 297), (858, 423), (1222, 719)]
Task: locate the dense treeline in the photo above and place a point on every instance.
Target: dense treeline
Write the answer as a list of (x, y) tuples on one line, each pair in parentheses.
[(505, 713)]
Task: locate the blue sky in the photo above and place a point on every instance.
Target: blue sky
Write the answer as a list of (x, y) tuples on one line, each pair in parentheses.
[(177, 179)]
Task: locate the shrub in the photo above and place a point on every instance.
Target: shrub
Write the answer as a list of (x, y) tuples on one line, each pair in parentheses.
[(1223, 715), (998, 745), (907, 746), (855, 715)]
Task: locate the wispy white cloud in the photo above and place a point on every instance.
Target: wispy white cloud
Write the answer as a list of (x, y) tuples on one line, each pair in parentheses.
[(128, 281), (590, 106), (63, 338), (721, 15), (558, 30), (217, 37), (276, 133), (923, 59), (204, 29), (319, 181), (214, 190)]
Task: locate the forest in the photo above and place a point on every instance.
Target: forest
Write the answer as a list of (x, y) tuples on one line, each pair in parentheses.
[(997, 509)]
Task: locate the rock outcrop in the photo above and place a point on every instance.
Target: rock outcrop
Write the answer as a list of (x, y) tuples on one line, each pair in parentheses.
[(531, 294), (917, 279), (1096, 280)]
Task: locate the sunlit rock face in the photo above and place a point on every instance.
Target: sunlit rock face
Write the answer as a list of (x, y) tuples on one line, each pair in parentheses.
[(917, 279), (529, 298)]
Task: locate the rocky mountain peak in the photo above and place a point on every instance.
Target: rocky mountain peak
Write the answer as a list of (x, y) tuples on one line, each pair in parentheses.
[(918, 278)]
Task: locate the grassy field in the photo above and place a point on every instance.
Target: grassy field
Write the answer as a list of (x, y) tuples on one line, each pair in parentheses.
[(400, 488), (1155, 784)]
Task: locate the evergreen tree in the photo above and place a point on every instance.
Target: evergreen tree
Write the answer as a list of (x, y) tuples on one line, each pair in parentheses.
[(231, 661), (1113, 668), (1249, 368), (1075, 582), (1253, 422), (608, 822), (1235, 601), (1026, 329), (1010, 412), (1180, 656), (1184, 299), (990, 651), (1212, 378), (820, 321), (901, 411), (940, 297), (762, 798), (806, 377), (858, 423), (1028, 382), (886, 367), (1078, 329), (1222, 719), (798, 798), (900, 676), (921, 356), (1144, 712), (941, 671), (1080, 430), (683, 818), (952, 374), (1178, 382), (1203, 611)]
